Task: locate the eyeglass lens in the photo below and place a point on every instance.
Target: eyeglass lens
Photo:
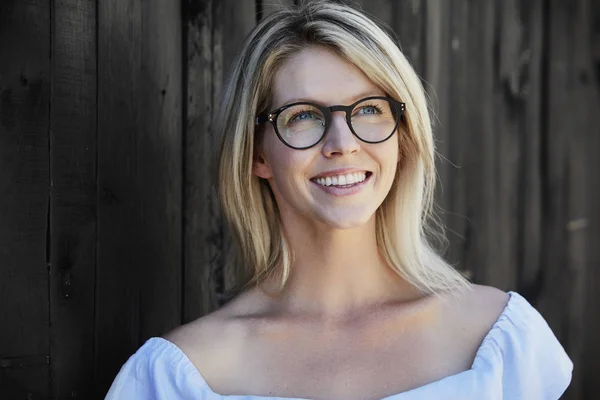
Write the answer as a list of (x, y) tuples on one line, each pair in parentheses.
[(303, 125)]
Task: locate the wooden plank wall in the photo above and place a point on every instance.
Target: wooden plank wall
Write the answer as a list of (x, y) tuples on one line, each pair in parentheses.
[(72, 209), (24, 172), (570, 190), (139, 178), (110, 232)]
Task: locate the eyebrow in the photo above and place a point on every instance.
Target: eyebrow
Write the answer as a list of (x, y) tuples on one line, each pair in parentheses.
[(362, 95)]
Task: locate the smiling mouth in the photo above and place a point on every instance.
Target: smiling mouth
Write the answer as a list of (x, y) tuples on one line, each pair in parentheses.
[(343, 180)]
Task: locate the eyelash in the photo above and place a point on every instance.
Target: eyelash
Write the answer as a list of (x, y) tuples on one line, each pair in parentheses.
[(376, 107), (299, 113), (371, 106)]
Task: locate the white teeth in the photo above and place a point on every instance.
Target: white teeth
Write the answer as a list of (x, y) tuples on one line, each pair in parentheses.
[(341, 180)]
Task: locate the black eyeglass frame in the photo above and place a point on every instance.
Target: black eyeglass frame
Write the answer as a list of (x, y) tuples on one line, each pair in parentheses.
[(272, 116)]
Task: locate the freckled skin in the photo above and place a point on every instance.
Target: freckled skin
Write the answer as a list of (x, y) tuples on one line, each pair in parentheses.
[(318, 75)]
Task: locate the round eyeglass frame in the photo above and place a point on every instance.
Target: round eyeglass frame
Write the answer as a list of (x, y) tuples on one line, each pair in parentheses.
[(272, 116)]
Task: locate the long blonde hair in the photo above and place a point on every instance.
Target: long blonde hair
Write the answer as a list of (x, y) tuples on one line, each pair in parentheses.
[(405, 221)]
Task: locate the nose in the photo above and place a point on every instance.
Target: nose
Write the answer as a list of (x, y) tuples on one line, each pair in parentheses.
[(339, 139)]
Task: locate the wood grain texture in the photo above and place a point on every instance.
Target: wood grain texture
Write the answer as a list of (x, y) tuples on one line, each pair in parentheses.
[(586, 370), (453, 69), (482, 113), (570, 191), (24, 182), (202, 222), (73, 223), (518, 116), (214, 35), (526, 80), (435, 56), (380, 10), (408, 21), (266, 7), (139, 271), (589, 84), (233, 22)]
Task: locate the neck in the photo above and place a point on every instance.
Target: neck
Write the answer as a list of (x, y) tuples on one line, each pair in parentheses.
[(338, 273)]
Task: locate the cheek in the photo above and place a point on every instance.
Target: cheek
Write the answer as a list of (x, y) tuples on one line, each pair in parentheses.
[(289, 179), (287, 165), (391, 154), (290, 170), (281, 162), (285, 160)]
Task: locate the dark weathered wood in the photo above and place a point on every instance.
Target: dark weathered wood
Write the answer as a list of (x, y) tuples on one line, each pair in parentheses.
[(233, 21), (202, 222), (73, 223), (24, 183), (518, 115), (269, 6), (491, 253), (527, 84), (586, 231), (589, 365), (435, 53), (481, 123), (570, 211), (588, 60), (403, 19), (139, 270), (453, 68), (487, 101), (408, 20), (380, 10)]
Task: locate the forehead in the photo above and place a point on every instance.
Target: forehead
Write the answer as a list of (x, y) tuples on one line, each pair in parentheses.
[(318, 74)]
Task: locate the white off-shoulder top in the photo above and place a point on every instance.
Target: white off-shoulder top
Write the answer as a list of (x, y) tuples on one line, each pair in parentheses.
[(520, 358)]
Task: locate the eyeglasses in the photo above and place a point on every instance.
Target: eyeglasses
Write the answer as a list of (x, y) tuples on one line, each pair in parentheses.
[(302, 125)]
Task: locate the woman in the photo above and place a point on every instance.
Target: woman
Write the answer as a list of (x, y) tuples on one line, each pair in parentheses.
[(326, 175)]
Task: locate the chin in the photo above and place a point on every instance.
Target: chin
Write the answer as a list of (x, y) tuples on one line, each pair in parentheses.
[(343, 222)]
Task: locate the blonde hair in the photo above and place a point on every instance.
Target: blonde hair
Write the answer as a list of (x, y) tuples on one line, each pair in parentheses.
[(405, 221)]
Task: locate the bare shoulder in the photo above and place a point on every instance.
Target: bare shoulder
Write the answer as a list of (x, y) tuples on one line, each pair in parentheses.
[(489, 301), (214, 342), (471, 315), (204, 343), (482, 305), (201, 334)]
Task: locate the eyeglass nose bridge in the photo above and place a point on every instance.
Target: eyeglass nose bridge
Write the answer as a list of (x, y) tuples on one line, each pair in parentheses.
[(347, 109), (328, 113)]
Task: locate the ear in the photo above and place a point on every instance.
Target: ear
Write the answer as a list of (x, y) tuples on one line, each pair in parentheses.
[(261, 168)]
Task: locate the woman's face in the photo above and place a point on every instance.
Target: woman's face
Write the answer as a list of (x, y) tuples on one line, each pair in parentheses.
[(298, 178)]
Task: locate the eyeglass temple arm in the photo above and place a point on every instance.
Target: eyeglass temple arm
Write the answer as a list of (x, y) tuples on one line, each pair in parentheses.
[(263, 118)]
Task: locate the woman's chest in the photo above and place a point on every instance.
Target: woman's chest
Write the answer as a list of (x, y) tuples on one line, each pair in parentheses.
[(350, 367)]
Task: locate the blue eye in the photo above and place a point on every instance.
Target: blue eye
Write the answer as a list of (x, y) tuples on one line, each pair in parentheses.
[(369, 110), (302, 116)]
